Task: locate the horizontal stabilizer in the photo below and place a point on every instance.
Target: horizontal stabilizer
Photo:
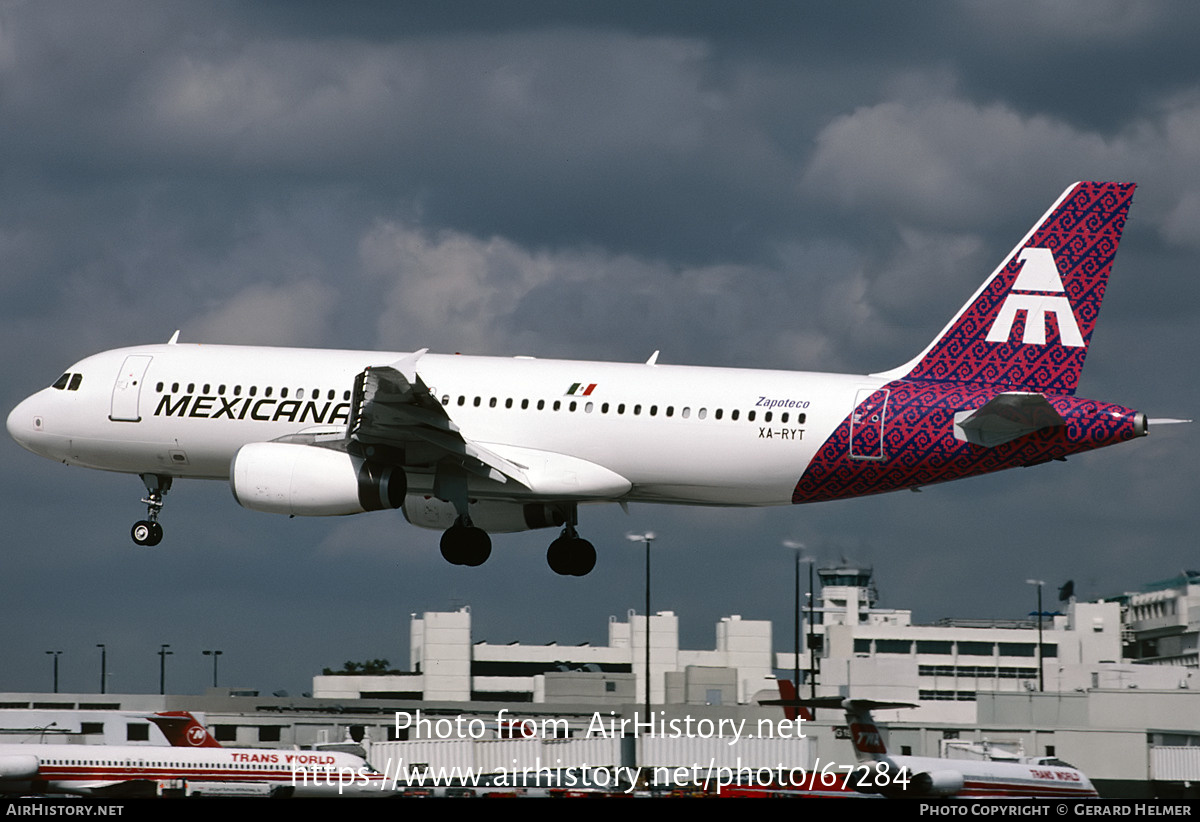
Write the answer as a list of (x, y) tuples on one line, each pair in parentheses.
[(1005, 417)]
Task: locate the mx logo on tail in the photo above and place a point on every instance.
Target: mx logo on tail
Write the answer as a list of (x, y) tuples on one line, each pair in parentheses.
[(1039, 274)]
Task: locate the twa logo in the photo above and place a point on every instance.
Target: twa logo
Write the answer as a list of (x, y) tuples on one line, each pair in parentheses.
[(1039, 273), (195, 735), (865, 738)]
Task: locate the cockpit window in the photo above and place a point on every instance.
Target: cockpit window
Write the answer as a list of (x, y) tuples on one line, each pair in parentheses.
[(61, 382), (76, 379)]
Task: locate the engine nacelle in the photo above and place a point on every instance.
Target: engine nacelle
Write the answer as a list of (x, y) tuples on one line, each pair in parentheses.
[(18, 766), (936, 783), (493, 516), (309, 481)]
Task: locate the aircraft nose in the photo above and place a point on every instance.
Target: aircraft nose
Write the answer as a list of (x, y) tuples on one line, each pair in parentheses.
[(24, 423)]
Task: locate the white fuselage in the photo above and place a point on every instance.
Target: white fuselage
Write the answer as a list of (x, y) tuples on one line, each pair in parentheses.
[(989, 779), (678, 434), (139, 770)]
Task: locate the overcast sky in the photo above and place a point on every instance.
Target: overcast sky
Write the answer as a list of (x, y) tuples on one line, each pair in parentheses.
[(784, 185)]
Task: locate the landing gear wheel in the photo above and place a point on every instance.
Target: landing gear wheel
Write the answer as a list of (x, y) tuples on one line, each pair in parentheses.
[(585, 557), (145, 532), (466, 545), (571, 556)]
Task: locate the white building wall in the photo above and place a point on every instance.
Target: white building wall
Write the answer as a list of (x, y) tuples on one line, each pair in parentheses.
[(446, 655)]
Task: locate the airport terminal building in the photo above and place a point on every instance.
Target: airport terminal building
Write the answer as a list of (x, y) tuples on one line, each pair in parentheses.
[(1116, 695)]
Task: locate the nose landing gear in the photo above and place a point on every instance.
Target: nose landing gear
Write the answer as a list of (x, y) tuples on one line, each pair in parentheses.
[(148, 531)]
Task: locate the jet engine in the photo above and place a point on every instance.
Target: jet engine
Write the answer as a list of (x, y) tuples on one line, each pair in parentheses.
[(18, 766), (936, 783), (310, 481), (493, 516)]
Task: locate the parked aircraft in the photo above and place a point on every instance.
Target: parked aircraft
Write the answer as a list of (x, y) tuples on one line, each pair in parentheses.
[(882, 772), (475, 445), (196, 764)]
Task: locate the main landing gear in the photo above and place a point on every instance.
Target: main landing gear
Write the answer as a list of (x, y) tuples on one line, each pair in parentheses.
[(464, 544), (147, 531), (570, 555)]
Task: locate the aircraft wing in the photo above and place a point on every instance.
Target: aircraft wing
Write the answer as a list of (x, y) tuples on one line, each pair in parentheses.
[(393, 408)]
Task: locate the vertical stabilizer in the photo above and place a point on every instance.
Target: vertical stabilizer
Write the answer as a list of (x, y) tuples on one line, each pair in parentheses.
[(1029, 325), (183, 730)]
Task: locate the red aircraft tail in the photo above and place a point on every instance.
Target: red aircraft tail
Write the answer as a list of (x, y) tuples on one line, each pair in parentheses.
[(183, 730), (788, 698)]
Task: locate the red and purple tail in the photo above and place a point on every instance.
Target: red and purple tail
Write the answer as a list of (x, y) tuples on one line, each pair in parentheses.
[(183, 730), (1029, 325)]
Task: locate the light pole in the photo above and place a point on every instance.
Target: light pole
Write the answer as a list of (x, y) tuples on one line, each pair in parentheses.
[(56, 655), (214, 655), (103, 667), (646, 538), (163, 653), (798, 547), (1041, 668)]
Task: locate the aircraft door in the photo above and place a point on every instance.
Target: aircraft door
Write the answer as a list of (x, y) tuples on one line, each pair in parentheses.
[(866, 424), (128, 389)]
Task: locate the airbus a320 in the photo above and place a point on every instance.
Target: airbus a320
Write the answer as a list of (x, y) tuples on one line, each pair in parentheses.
[(473, 445)]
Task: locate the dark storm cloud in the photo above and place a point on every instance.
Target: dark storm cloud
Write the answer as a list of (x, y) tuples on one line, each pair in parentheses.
[(782, 185)]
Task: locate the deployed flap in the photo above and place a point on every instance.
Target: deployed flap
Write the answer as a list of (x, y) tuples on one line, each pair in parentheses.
[(1005, 417), (393, 407)]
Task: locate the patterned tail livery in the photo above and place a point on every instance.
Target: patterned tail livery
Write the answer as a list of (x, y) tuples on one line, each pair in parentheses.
[(183, 730), (996, 388), (1029, 325)]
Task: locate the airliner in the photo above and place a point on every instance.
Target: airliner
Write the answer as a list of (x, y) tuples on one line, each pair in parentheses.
[(473, 445), (881, 772), (197, 765)]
